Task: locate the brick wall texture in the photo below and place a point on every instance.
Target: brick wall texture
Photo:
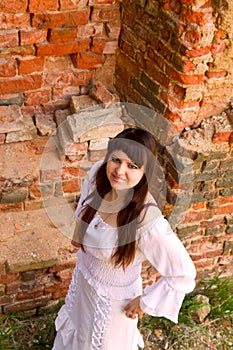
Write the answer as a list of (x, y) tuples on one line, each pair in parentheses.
[(59, 56)]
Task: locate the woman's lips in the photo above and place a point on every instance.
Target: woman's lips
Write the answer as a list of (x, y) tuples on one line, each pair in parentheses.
[(117, 179)]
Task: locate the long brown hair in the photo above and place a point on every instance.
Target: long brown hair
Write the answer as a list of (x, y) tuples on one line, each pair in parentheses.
[(140, 147)]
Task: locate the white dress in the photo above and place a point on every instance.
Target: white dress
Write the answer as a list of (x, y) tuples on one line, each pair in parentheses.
[(93, 316)]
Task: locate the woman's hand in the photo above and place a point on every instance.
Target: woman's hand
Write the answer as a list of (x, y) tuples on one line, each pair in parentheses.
[(133, 310)]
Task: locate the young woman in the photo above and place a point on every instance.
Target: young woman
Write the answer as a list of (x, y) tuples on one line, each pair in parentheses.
[(118, 227)]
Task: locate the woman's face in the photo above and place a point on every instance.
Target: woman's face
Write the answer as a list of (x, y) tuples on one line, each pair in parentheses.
[(122, 172)]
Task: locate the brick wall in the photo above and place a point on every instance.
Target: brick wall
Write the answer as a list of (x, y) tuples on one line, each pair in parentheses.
[(173, 57), (51, 50)]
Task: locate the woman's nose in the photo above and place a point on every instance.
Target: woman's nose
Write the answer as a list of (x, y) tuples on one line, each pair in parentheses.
[(120, 169)]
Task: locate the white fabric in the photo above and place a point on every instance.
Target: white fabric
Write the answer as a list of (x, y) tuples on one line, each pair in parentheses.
[(158, 244)]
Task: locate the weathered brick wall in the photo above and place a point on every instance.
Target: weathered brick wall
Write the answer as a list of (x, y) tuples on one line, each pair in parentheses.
[(51, 50), (175, 56)]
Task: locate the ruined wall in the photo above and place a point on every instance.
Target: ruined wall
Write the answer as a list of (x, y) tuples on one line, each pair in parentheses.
[(175, 57), (52, 50)]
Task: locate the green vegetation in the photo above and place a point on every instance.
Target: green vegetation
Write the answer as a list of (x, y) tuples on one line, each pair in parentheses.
[(216, 332)]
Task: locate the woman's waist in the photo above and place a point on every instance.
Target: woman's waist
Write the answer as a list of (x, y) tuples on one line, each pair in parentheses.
[(109, 280)]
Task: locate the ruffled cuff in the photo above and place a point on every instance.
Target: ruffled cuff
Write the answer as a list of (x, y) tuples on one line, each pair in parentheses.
[(161, 300)]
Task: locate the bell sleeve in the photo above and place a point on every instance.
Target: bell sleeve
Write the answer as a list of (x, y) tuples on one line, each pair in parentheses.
[(163, 249)]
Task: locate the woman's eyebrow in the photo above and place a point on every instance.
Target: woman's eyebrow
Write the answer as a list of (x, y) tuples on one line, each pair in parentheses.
[(128, 159)]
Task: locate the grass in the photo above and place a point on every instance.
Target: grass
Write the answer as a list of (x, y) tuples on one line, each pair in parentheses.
[(215, 333)]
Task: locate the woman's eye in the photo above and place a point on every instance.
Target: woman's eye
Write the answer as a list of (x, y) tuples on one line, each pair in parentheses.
[(116, 160), (133, 166)]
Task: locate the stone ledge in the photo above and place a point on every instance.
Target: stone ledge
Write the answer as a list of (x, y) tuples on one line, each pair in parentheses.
[(34, 244)]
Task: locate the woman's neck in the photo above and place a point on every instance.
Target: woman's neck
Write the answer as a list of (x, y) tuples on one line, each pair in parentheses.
[(114, 201)]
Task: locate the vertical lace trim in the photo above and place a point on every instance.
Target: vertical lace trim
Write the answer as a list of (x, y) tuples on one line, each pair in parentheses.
[(73, 290), (101, 322)]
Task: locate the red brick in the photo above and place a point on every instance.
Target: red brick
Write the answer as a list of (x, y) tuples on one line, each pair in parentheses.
[(99, 14), (22, 51), (62, 48), (71, 4), (90, 29), (99, 2), (87, 61), (12, 21), (194, 216), (32, 36), (194, 79), (2, 138), (64, 275), (158, 60), (9, 38), (192, 36), (174, 102), (225, 209), (66, 78), (171, 115), (12, 6), (156, 75), (11, 207), (222, 136), (127, 63), (60, 293), (6, 299), (200, 18), (62, 35), (69, 264), (61, 20), (77, 149), (7, 67), (49, 289), (9, 278), (218, 48), (104, 47), (35, 190), (216, 75), (69, 172), (179, 91), (212, 223), (13, 288), (122, 74), (206, 254), (127, 48), (198, 206), (71, 186), (21, 84), (113, 29), (27, 66), (132, 38), (183, 65), (197, 52), (37, 97), (26, 305), (104, 73), (31, 294), (42, 5)]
